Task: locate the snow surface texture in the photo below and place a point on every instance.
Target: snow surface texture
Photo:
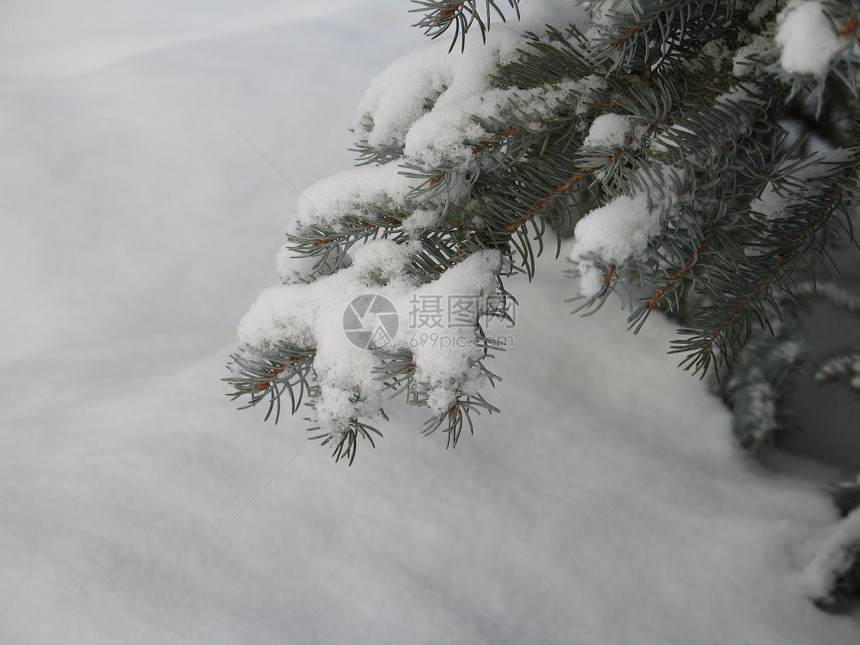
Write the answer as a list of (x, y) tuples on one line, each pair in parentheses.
[(606, 505)]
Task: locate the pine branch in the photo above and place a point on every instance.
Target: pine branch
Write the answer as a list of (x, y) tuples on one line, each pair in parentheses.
[(654, 131), (655, 31), (441, 15), (843, 367), (267, 375), (846, 496), (833, 576), (759, 278), (345, 443)]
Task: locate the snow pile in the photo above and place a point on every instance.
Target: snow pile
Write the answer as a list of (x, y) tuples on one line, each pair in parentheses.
[(807, 39), (612, 234), (613, 131), (621, 230), (351, 191), (446, 360), (421, 219)]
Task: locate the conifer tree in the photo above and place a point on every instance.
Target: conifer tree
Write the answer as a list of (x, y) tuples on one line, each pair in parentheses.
[(704, 156)]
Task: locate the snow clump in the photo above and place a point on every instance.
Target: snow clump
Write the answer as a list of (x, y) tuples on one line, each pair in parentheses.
[(807, 38)]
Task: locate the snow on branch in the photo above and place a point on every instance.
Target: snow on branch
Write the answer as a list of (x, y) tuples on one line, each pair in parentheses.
[(650, 130), (832, 578)]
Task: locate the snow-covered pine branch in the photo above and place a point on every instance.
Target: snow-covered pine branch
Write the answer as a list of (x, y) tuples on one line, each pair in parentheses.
[(650, 128), (832, 577)]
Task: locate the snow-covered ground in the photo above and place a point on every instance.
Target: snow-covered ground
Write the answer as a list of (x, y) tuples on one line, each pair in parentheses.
[(150, 160)]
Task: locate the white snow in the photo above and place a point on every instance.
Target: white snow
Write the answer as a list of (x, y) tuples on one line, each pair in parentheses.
[(312, 315), (835, 554), (612, 234), (770, 204), (717, 51), (420, 220), (427, 98), (331, 198), (743, 63), (807, 39), (606, 504), (610, 131), (284, 312), (445, 358)]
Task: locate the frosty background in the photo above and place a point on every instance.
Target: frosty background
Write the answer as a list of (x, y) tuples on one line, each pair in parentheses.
[(140, 217)]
